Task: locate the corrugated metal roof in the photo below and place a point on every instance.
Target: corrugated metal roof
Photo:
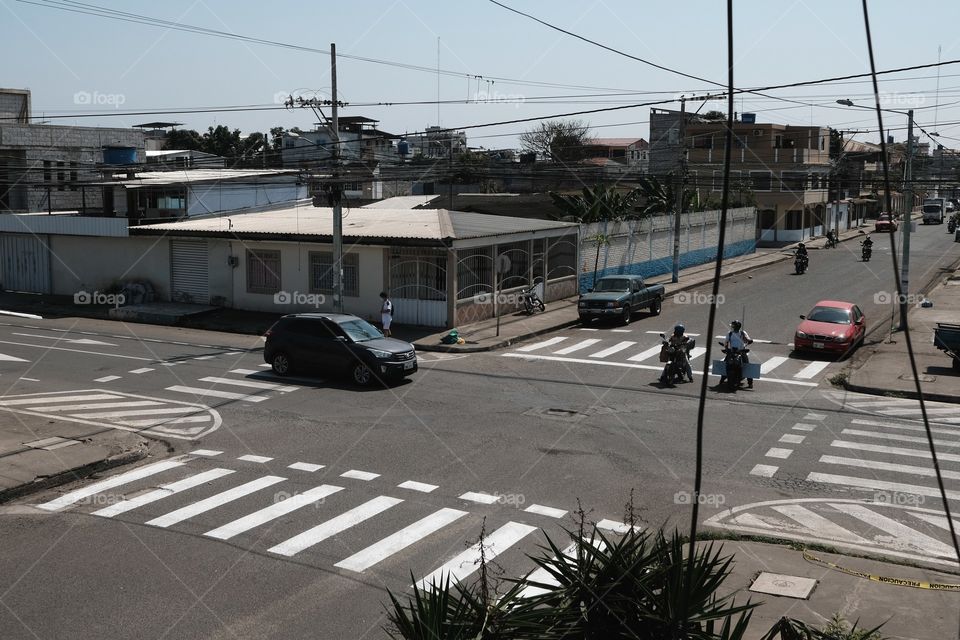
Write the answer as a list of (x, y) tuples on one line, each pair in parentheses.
[(432, 225), (183, 176), (401, 202), (65, 225)]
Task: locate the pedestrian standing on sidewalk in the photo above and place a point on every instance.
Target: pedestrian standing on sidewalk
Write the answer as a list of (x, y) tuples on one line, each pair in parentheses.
[(386, 313)]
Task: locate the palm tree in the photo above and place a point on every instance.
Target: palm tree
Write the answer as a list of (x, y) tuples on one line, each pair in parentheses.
[(602, 240), (598, 203), (662, 197)]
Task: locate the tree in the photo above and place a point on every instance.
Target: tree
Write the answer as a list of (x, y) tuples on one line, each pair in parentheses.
[(602, 240), (598, 203), (470, 167), (713, 116), (557, 140), (180, 139)]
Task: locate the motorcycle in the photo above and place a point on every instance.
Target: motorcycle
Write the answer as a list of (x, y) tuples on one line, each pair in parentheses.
[(832, 241), (952, 224), (865, 252), (678, 359), (733, 362), (531, 300), (800, 263)]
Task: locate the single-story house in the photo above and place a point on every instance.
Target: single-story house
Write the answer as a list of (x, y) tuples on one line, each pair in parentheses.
[(441, 267)]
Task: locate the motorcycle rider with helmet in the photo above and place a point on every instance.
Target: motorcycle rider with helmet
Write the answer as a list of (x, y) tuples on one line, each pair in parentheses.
[(678, 341), (738, 339), (802, 254), (867, 246)]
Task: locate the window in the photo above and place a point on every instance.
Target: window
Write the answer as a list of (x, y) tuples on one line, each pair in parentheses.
[(704, 141), (717, 181), (793, 181), (73, 176), (474, 273), (47, 174), (61, 176), (562, 257), (321, 273), (263, 271), (768, 219), (794, 219), (760, 180)]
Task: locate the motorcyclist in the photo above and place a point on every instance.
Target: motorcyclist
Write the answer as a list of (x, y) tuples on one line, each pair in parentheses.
[(678, 340), (831, 238), (802, 250), (738, 339), (867, 244)]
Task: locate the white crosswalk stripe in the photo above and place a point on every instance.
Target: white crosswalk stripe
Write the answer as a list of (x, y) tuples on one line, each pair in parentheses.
[(334, 526), (609, 350), (163, 492), (201, 393), (130, 476), (248, 383), (906, 536), (213, 502), (464, 564), (274, 511)]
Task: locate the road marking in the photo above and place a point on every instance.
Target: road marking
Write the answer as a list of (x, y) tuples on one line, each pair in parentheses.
[(812, 369), (204, 358), (583, 344), (42, 397), (904, 427), (635, 366), (380, 551), (196, 391), (898, 451), (136, 412), (546, 511), (246, 372), (803, 427), (697, 352), (205, 452), (874, 484), (164, 491), (413, 485), (542, 576), (772, 363), (248, 383), (98, 405), (817, 523), (476, 496), (130, 476), (152, 422), (903, 535), (354, 474), (644, 355), (274, 511), (621, 330), (266, 366), (616, 527), (213, 502), (29, 379), (5, 358), (775, 452), (883, 403), (899, 438), (792, 438), (332, 527), (889, 466), (47, 347), (930, 411), (692, 335), (938, 521), (71, 341), (588, 329), (252, 458), (541, 345), (620, 346), (168, 364), (305, 466), (814, 416), (764, 470), (465, 563), (142, 370)]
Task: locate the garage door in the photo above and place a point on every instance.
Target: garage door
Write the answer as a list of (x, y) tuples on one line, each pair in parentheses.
[(188, 265), (24, 264)]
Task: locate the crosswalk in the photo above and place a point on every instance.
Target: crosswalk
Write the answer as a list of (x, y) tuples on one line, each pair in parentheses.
[(883, 460), (642, 352), (269, 513)]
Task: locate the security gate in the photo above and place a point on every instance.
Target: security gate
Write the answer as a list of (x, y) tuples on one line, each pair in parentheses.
[(24, 264), (418, 287), (189, 281)]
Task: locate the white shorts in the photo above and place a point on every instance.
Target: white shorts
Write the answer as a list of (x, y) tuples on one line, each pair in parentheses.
[(386, 319)]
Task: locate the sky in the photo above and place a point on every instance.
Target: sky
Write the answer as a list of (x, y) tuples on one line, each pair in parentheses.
[(508, 66)]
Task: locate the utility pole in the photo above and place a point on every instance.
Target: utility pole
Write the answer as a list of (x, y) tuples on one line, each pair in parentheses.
[(908, 188), (337, 209), (681, 174)]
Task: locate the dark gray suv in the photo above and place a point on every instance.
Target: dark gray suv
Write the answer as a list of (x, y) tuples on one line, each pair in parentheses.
[(337, 343)]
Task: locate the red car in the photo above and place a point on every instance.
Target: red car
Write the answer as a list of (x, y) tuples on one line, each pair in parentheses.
[(885, 222), (837, 327)]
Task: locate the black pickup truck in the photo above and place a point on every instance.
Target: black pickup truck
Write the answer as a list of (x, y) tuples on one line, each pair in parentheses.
[(618, 298)]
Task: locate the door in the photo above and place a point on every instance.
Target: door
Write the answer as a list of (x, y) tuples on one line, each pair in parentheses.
[(332, 346), (418, 281), (189, 279), (24, 264)]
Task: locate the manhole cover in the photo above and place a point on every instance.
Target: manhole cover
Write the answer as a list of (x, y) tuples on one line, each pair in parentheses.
[(782, 585)]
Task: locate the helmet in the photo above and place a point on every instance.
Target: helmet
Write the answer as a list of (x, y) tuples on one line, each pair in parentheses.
[(801, 246), (735, 325), (678, 329)]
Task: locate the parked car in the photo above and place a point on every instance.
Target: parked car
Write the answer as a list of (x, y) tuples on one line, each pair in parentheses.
[(886, 222), (336, 343), (618, 298), (831, 326)]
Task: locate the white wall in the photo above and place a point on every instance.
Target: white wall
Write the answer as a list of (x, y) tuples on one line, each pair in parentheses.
[(93, 264), (226, 196), (295, 279)]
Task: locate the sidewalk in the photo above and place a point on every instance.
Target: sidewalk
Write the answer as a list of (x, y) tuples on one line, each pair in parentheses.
[(885, 369)]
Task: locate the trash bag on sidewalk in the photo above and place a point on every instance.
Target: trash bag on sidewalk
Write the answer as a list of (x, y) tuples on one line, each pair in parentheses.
[(451, 338)]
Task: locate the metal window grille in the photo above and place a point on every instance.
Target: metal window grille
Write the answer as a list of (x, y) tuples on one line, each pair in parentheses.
[(321, 273), (263, 271)]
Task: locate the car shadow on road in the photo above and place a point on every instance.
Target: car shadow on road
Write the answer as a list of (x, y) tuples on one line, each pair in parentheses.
[(340, 384)]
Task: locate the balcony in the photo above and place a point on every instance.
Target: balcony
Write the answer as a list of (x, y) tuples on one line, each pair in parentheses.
[(767, 156)]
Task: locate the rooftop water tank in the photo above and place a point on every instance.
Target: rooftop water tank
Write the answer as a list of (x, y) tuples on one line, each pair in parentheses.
[(119, 155), (748, 118)]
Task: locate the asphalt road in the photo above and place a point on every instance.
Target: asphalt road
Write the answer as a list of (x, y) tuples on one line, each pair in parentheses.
[(288, 506)]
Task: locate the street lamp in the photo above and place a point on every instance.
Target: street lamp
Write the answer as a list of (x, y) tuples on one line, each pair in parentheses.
[(908, 188)]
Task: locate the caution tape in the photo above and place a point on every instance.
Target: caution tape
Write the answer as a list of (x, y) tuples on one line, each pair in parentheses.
[(900, 582)]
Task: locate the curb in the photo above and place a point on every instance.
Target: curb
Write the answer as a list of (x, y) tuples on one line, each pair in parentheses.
[(912, 395), (72, 475)]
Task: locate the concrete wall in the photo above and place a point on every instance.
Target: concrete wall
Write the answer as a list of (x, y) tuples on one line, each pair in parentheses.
[(295, 280), (93, 264), (645, 247)]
